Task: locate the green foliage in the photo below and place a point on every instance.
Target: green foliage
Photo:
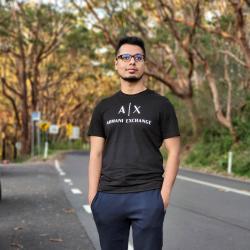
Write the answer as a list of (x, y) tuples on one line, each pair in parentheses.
[(213, 147), (241, 122), (56, 148), (160, 35), (213, 143), (78, 47), (3, 32), (226, 21), (78, 38), (139, 12), (66, 145), (206, 40), (51, 68), (183, 118)]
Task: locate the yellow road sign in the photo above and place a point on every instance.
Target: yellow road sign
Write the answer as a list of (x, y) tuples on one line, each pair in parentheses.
[(69, 129), (44, 125)]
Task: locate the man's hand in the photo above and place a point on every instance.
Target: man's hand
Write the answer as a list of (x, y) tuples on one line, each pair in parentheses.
[(95, 165), (165, 199), (173, 147), (90, 198)]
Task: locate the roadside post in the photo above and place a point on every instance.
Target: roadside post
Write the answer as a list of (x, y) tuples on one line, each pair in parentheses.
[(75, 134), (230, 162), (35, 117), (44, 126), (54, 130)]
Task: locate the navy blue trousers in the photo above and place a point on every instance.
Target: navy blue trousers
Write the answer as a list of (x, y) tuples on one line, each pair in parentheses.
[(114, 214)]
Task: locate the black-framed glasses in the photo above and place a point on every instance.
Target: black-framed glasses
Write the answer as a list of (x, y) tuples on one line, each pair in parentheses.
[(127, 57)]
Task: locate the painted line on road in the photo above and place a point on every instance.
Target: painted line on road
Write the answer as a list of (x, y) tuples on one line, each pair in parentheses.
[(76, 191), (224, 188), (69, 181), (58, 168), (87, 209)]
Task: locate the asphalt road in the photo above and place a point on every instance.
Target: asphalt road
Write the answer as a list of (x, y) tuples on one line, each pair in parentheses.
[(35, 213), (45, 207), (205, 212)]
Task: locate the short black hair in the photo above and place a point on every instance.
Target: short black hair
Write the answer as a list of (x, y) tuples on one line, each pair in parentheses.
[(133, 40)]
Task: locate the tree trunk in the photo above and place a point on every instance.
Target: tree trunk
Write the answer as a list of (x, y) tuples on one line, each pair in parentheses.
[(4, 149), (25, 137), (192, 115), (222, 119)]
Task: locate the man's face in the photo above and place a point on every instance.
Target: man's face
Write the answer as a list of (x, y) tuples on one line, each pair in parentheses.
[(131, 69)]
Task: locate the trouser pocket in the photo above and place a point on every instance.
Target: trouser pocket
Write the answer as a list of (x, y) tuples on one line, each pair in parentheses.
[(94, 200), (162, 202)]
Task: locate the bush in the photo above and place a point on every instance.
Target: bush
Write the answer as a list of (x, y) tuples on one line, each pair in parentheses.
[(213, 147)]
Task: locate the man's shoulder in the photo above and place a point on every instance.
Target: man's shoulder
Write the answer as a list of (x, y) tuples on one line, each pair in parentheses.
[(162, 100), (106, 100), (109, 98)]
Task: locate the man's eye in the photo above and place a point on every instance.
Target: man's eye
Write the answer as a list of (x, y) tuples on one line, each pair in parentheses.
[(138, 57), (125, 57)]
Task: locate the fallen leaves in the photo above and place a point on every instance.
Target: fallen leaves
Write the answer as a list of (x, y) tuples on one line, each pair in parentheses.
[(56, 240), (16, 245), (69, 210)]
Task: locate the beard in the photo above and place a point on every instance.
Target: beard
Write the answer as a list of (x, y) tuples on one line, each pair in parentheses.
[(132, 79)]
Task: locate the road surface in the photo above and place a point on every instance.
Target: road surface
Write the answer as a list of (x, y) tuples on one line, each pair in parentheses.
[(45, 207)]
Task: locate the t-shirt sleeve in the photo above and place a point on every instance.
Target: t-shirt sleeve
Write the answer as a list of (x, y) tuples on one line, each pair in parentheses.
[(168, 121), (96, 127)]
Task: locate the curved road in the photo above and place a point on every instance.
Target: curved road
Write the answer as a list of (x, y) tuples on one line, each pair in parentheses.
[(205, 212), (44, 206)]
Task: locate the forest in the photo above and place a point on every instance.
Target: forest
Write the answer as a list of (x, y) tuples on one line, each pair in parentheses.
[(57, 58)]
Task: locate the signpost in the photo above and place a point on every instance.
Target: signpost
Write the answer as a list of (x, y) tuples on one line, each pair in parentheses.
[(35, 117), (75, 134), (45, 126), (69, 128), (54, 129)]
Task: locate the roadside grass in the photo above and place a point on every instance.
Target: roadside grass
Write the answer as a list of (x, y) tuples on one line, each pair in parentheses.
[(54, 150)]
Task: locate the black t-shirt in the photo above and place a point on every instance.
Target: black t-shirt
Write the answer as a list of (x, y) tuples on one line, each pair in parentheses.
[(134, 127)]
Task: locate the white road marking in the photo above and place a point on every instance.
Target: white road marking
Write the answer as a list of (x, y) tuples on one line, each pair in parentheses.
[(58, 168), (87, 209), (224, 188), (76, 191), (69, 181)]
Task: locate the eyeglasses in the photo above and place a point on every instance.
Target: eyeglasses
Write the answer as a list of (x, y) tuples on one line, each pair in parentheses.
[(127, 57)]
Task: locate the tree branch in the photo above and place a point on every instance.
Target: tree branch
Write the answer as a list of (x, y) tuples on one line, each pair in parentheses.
[(12, 100), (4, 82), (229, 53)]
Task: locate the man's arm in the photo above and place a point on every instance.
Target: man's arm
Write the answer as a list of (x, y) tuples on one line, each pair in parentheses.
[(172, 166), (95, 165)]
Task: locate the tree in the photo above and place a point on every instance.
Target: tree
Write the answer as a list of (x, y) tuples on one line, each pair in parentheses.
[(34, 33), (181, 38)]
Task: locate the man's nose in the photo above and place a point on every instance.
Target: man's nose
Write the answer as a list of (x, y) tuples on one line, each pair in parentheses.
[(132, 61)]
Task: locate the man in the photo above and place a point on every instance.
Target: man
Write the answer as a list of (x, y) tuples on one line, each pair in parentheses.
[(126, 184)]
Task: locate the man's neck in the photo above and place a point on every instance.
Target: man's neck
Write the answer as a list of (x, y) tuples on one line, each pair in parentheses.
[(132, 88)]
